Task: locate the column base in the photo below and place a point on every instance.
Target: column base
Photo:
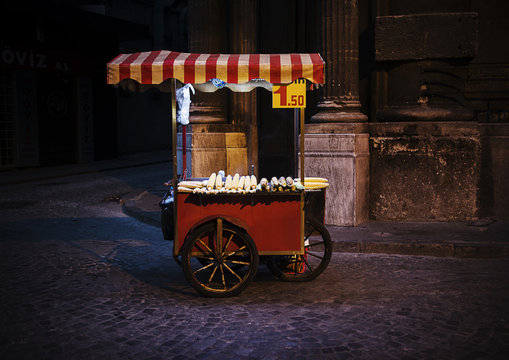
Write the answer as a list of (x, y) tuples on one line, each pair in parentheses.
[(339, 111), (425, 113), (210, 152), (342, 158), (342, 116)]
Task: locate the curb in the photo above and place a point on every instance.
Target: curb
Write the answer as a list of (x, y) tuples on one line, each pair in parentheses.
[(130, 208), (428, 249)]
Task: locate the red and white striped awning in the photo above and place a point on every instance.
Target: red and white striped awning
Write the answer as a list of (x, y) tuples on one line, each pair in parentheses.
[(154, 67)]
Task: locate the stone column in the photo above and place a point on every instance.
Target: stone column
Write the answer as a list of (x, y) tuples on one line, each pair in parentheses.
[(340, 51), (243, 40), (208, 34), (212, 142), (337, 139)]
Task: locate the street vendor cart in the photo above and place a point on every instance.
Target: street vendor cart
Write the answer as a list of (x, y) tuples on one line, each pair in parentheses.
[(225, 225)]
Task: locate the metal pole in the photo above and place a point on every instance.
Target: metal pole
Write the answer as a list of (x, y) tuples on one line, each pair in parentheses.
[(184, 152), (174, 146), (303, 193), (302, 145), (296, 141)]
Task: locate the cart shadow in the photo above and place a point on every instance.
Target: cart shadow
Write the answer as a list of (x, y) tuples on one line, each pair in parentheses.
[(136, 250), (132, 248)]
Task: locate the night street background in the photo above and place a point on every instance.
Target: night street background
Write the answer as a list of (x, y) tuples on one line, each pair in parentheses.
[(411, 129)]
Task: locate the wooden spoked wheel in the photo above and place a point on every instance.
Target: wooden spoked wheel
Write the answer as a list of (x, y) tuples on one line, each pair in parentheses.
[(317, 254), (219, 259)]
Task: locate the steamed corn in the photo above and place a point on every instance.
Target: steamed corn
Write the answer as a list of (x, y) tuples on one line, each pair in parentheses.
[(212, 181), (253, 182), (240, 185), (228, 183), (314, 179), (247, 183), (191, 184), (219, 182), (315, 185), (235, 181), (264, 184)]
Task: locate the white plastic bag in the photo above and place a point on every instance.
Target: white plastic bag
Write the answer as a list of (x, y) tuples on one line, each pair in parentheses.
[(184, 101)]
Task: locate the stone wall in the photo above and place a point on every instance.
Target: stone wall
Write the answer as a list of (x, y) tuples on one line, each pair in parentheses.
[(425, 171), (495, 171)]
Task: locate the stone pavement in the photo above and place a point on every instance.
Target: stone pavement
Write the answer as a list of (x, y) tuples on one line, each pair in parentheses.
[(82, 280)]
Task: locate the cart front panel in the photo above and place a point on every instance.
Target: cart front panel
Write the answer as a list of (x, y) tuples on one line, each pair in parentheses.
[(272, 220)]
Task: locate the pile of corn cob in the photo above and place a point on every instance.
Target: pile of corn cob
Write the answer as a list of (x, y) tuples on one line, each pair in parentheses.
[(248, 184)]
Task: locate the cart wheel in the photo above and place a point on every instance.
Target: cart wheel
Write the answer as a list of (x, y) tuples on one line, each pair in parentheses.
[(211, 263), (318, 250)]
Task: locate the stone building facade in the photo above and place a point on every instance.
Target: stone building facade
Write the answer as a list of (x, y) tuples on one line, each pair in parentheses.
[(412, 123), (438, 107)]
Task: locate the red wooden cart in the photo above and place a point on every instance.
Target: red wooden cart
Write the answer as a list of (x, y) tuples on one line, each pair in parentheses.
[(219, 239)]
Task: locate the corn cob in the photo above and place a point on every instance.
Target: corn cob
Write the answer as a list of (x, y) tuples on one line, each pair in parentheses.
[(290, 184), (219, 182), (253, 182), (184, 189), (228, 184), (241, 183), (247, 183), (298, 186), (191, 184), (235, 181), (315, 185), (211, 182), (313, 179), (264, 184)]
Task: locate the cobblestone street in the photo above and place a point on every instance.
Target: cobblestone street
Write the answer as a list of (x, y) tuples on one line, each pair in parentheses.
[(81, 280)]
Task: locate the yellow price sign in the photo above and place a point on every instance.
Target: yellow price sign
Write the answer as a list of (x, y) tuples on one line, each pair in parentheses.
[(289, 96)]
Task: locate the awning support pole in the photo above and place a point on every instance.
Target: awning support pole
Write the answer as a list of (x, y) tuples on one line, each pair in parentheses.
[(184, 152), (303, 193), (296, 141), (302, 145), (174, 155)]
